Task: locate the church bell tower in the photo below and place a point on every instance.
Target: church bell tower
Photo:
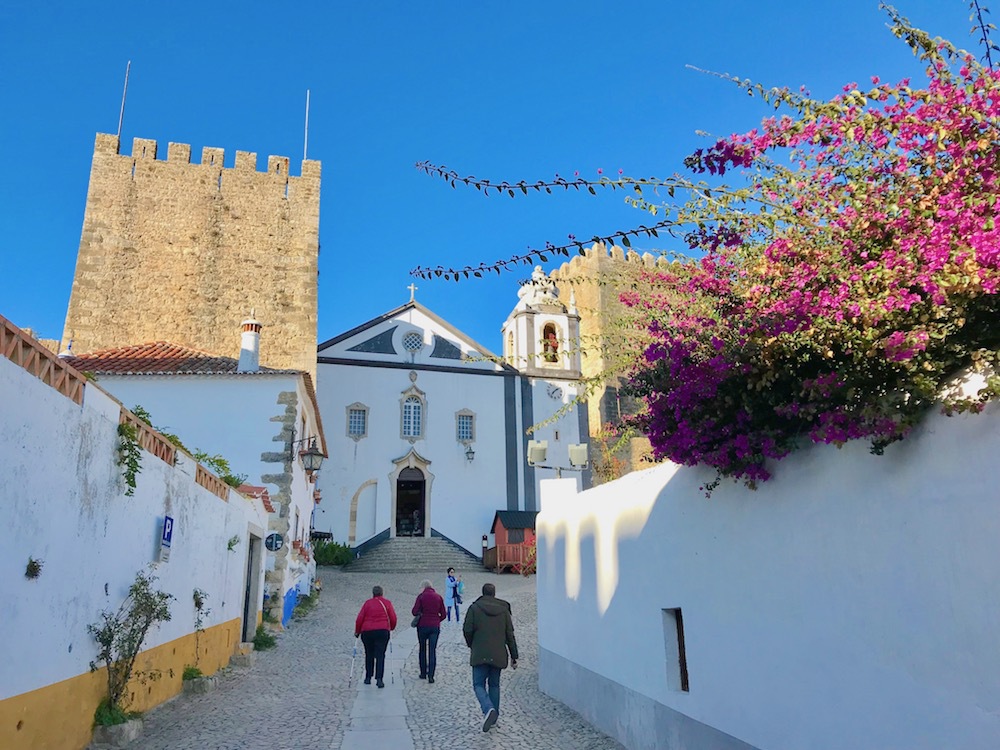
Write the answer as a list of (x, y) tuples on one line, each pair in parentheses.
[(541, 336)]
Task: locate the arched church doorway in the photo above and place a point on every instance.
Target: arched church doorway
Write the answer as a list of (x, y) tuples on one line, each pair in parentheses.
[(411, 512)]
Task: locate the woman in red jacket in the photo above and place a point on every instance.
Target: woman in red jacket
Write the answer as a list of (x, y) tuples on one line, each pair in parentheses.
[(430, 607), (375, 620)]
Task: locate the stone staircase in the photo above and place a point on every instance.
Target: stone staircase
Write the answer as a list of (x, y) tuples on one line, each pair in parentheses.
[(404, 554)]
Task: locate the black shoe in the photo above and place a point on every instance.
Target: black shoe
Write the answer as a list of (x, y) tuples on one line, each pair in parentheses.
[(490, 719), (423, 677), (430, 680), (380, 684), (368, 680)]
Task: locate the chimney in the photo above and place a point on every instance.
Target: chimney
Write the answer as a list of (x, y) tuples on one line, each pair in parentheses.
[(250, 345)]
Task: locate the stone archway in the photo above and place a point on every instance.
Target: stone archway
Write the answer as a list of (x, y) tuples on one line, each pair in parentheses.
[(411, 475), (353, 521)]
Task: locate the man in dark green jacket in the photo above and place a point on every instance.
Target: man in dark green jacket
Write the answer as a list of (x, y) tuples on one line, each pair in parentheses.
[(489, 632)]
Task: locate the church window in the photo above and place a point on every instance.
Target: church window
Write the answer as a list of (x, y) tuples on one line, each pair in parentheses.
[(412, 417), (413, 342), (465, 427), (357, 421), (550, 343), (510, 345)]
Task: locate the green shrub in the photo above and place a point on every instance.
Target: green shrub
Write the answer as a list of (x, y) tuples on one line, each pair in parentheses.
[(221, 467), (331, 553), (263, 640), (191, 673), (129, 455), (107, 715), (120, 635)]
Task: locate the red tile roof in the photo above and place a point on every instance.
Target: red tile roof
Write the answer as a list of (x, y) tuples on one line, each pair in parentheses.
[(259, 493), (164, 358), (158, 358)]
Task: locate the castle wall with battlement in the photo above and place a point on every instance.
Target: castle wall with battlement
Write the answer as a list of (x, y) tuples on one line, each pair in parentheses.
[(593, 278), (173, 250), (596, 279)]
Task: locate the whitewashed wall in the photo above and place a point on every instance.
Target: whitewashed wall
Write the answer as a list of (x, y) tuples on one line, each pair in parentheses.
[(63, 501), (237, 417), (463, 496), (219, 414), (852, 602)]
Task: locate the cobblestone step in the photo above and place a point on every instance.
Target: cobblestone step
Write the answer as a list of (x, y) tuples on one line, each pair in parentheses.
[(414, 555)]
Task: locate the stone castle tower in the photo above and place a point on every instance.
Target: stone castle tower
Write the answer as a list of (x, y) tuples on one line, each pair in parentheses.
[(180, 252), (596, 280)]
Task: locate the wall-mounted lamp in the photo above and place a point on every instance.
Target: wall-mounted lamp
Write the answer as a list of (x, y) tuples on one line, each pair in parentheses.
[(536, 451), (469, 454), (312, 458), (578, 459)]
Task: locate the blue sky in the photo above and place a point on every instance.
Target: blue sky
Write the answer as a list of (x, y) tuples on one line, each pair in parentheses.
[(514, 90)]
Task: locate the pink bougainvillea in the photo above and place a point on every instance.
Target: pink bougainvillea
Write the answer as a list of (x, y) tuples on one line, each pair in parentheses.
[(839, 288)]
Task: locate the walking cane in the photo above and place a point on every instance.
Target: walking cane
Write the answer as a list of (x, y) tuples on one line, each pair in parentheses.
[(392, 674), (353, 657)]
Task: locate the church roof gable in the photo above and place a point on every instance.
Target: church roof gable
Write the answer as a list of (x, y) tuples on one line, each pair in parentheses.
[(376, 340)]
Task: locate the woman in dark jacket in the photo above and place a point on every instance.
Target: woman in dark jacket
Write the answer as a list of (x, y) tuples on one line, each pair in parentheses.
[(430, 607), (375, 620)]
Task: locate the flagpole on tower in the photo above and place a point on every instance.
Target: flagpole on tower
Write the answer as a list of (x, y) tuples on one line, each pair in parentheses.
[(305, 145), (121, 113)]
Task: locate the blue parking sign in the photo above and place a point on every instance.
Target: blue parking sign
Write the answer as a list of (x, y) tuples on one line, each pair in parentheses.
[(168, 531)]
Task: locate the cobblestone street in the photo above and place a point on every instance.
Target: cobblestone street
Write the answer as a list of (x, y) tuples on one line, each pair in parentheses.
[(300, 695)]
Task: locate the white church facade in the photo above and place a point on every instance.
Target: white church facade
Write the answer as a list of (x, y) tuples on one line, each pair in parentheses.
[(428, 431)]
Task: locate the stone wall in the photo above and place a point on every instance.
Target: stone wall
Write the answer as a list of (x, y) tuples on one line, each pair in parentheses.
[(597, 279), (181, 252)]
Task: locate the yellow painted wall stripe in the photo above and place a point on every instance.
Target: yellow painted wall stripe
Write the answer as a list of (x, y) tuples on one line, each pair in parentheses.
[(61, 716)]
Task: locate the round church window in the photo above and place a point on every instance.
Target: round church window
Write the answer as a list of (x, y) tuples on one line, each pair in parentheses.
[(413, 341)]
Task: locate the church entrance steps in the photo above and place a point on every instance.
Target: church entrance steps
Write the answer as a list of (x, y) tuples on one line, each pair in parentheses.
[(414, 555)]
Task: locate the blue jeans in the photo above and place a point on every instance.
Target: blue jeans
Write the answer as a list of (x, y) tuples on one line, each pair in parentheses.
[(483, 674), (427, 640)]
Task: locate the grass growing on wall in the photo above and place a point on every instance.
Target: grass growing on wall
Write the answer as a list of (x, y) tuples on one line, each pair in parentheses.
[(305, 605)]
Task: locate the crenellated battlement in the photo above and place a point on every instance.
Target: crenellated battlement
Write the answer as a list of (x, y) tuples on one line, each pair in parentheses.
[(212, 157), (179, 152), (195, 244), (598, 253)]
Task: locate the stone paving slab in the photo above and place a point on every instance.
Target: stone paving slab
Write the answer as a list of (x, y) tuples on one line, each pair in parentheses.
[(387, 707), (390, 739), (376, 723), (373, 694), (300, 696), (379, 698)]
